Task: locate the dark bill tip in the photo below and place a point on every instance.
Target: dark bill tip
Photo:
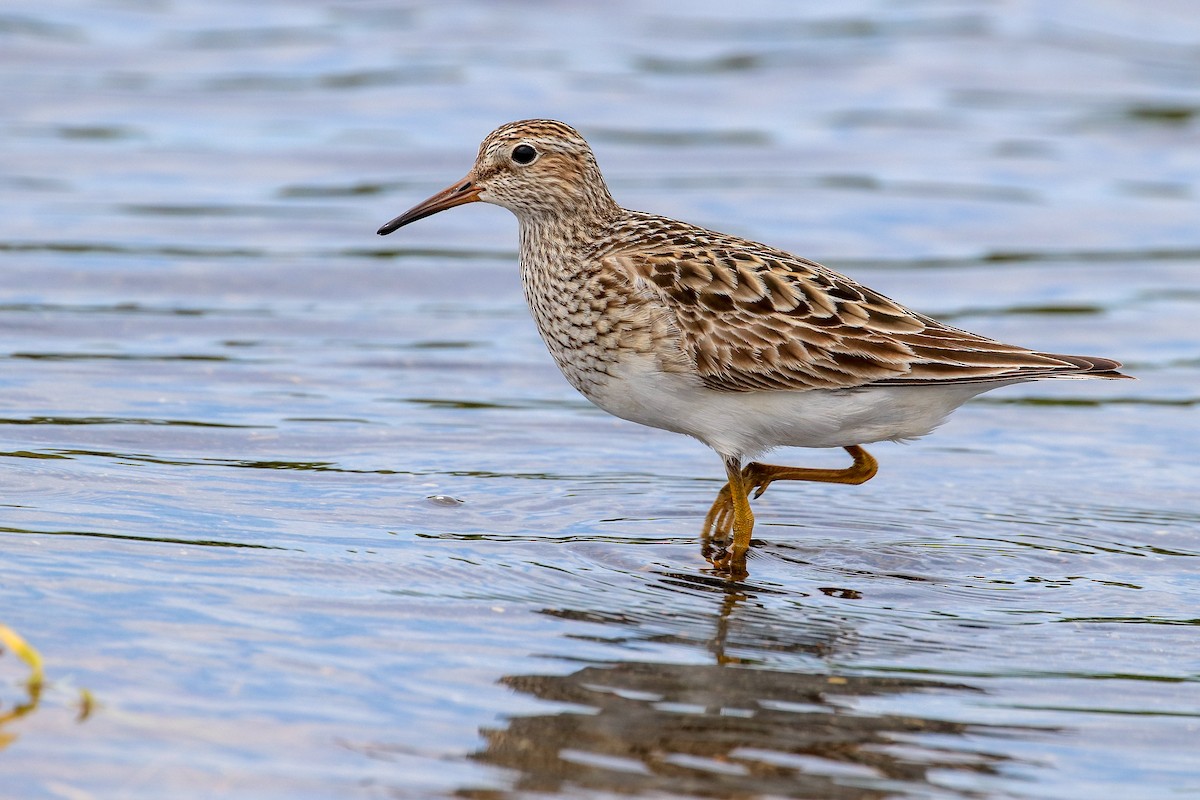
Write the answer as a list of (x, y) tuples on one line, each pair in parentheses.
[(462, 192), (395, 225)]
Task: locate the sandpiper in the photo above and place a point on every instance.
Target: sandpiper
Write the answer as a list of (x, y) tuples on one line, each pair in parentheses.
[(738, 344)]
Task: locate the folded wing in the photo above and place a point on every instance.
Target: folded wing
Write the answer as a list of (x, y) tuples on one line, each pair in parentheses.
[(761, 319)]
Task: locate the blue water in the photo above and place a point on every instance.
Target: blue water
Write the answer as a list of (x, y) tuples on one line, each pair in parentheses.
[(311, 513)]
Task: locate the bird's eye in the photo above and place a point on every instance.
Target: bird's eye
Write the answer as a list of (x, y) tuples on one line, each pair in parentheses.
[(524, 154)]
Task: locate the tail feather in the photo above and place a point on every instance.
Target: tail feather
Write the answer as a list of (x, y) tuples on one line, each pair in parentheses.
[(1090, 366)]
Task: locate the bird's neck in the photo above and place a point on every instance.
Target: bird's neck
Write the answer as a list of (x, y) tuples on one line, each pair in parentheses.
[(566, 230)]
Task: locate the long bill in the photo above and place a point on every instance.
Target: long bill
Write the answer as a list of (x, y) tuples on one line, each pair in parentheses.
[(464, 191)]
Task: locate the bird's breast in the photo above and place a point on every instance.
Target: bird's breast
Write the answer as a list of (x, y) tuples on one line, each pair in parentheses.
[(593, 320)]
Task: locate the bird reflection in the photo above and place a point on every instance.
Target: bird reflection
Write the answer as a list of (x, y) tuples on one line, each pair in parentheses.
[(727, 729)]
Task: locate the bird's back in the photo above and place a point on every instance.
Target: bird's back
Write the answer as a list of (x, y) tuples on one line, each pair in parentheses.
[(752, 317)]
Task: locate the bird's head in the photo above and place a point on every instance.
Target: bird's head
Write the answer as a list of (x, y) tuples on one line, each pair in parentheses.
[(534, 168)]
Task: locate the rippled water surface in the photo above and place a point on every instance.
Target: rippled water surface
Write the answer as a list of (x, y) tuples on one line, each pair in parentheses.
[(311, 513)]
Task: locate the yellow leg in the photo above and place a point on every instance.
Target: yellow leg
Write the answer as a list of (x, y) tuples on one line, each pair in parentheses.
[(732, 506), (758, 476), (730, 512)]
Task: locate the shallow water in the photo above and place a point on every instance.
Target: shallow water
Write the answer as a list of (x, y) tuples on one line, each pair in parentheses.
[(311, 513)]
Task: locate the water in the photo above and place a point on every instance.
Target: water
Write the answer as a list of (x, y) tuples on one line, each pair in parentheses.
[(310, 513)]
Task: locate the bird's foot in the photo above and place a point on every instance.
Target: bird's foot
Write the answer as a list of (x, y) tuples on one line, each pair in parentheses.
[(717, 534), (728, 567), (717, 539)]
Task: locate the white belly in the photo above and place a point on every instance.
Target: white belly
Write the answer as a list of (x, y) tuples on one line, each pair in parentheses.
[(746, 424)]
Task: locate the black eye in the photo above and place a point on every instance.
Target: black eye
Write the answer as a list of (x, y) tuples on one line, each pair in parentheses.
[(524, 154)]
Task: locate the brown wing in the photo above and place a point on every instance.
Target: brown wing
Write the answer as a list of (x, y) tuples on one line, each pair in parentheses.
[(755, 318)]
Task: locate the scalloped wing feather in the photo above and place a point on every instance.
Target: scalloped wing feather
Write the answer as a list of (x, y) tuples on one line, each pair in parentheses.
[(753, 318)]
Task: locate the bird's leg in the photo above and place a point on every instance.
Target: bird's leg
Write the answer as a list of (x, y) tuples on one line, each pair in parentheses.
[(722, 519), (757, 477), (709, 548), (731, 510), (715, 536)]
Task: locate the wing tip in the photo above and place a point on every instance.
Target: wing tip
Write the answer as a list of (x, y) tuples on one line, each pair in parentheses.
[(1092, 367), (1068, 367)]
